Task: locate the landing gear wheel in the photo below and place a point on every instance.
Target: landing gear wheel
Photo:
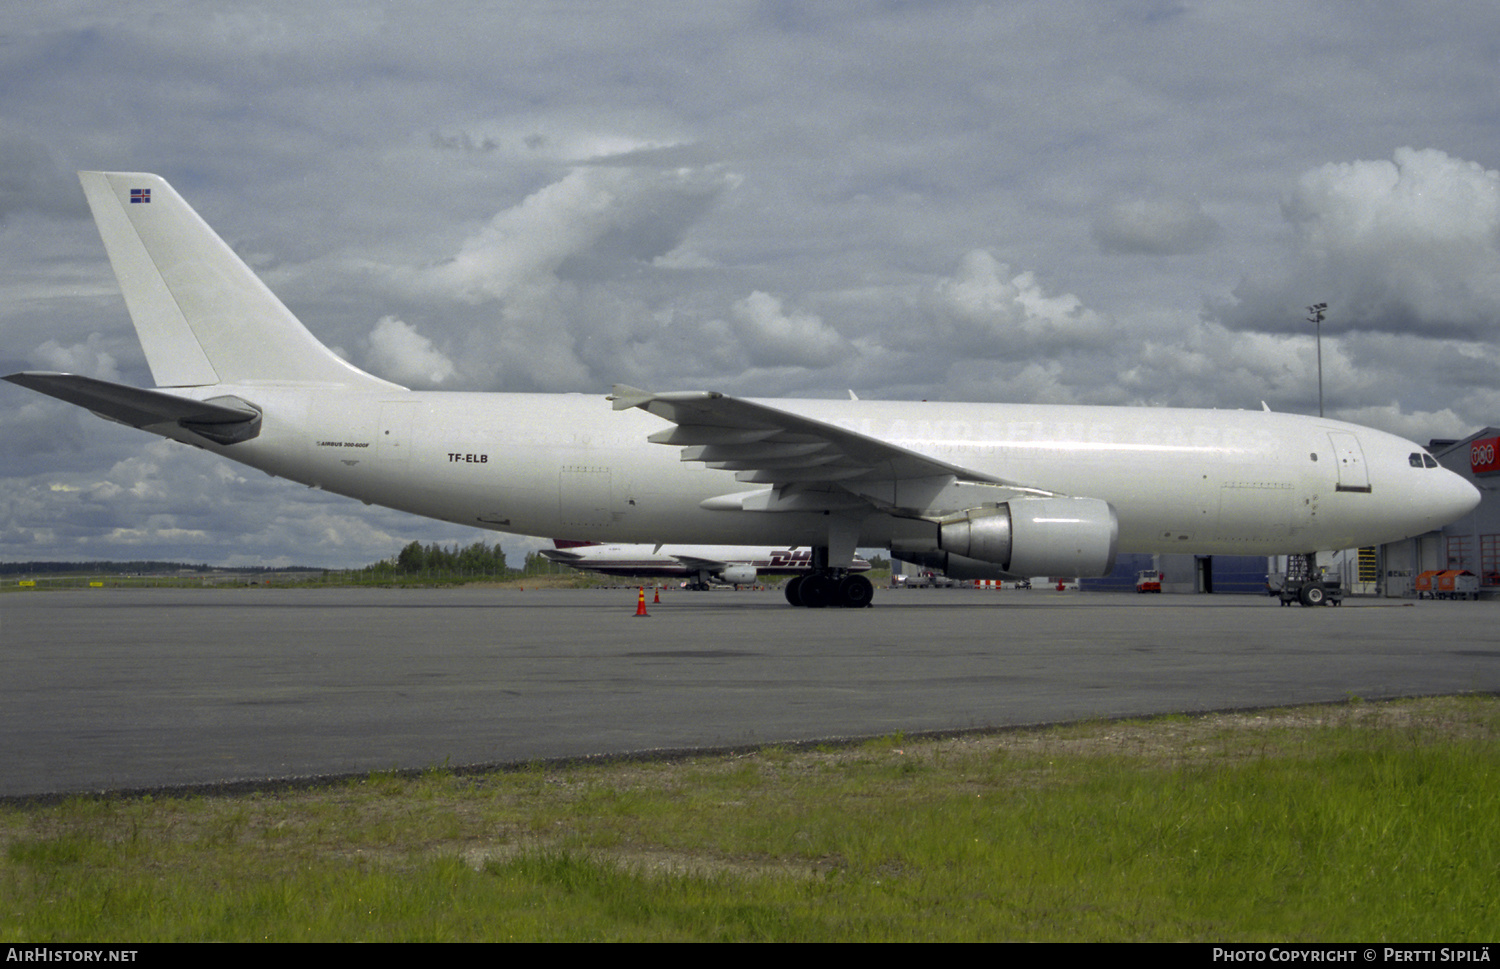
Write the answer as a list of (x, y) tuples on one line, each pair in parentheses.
[(855, 592), (792, 587), (817, 590), (1313, 594)]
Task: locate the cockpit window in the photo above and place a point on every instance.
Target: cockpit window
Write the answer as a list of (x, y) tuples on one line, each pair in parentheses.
[(1429, 461), (1414, 459), (1417, 459)]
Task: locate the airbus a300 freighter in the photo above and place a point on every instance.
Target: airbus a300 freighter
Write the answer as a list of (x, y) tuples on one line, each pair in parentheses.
[(978, 490)]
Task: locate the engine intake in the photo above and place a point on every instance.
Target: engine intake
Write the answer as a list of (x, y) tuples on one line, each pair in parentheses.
[(738, 575)]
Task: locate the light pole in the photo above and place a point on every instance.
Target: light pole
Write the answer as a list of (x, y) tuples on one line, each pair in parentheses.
[(1317, 310)]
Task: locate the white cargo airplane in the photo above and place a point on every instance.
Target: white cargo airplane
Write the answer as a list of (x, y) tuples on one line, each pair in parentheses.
[(701, 565), (978, 490)]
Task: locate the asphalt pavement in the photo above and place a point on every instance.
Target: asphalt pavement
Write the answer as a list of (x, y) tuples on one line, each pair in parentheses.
[(106, 689)]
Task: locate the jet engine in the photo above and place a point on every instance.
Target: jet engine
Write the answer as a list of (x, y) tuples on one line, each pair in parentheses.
[(1022, 537), (738, 575)]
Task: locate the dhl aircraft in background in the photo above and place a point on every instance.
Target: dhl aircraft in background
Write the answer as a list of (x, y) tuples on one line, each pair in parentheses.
[(701, 565), (977, 490)]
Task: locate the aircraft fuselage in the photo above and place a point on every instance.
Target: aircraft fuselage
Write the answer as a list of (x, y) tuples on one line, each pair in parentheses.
[(1203, 481)]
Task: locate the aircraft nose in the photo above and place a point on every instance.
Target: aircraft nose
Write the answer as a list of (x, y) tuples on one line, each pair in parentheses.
[(1452, 497)]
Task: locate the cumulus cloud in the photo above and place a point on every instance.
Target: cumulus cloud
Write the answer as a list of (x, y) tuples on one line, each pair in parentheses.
[(42, 426), (1410, 245), (88, 358), (400, 352), (773, 337), (1154, 227), (537, 298), (1415, 425), (985, 311), (594, 222)]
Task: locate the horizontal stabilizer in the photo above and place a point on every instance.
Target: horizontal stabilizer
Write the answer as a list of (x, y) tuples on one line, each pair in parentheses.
[(224, 420)]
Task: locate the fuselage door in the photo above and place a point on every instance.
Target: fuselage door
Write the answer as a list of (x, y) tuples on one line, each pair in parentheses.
[(1350, 460)]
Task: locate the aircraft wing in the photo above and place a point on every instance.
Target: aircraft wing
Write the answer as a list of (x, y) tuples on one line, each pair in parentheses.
[(701, 564), (808, 464)]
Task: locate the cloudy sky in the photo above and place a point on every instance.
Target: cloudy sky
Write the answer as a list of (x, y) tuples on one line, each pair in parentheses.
[(1079, 201)]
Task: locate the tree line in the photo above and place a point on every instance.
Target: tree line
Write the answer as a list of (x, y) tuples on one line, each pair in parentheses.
[(476, 559), (131, 568), (415, 558)]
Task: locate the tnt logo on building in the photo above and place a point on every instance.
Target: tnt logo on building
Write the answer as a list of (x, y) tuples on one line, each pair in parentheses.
[(1483, 456)]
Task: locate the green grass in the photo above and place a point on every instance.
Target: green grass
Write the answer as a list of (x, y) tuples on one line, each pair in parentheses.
[(1358, 822)]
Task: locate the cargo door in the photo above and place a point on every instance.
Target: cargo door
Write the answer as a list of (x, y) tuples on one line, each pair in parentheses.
[(584, 496)]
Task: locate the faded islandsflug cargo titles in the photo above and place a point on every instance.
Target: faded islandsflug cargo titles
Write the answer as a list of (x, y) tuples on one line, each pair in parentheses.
[(978, 490)]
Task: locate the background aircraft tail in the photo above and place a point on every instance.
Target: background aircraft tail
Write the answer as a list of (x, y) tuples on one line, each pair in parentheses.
[(203, 317)]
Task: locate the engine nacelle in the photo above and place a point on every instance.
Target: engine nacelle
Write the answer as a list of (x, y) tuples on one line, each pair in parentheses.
[(738, 575), (1024, 537)]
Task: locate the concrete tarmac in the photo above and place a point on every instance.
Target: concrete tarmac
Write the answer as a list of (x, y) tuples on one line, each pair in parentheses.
[(127, 689)]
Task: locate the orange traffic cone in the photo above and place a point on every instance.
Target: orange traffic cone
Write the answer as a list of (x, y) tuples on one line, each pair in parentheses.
[(656, 597), (640, 609)]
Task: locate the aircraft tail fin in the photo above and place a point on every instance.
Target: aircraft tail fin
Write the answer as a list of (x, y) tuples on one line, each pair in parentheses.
[(203, 317)]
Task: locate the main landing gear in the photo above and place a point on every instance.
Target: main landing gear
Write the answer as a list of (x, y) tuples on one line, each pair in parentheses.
[(830, 583), (817, 590)]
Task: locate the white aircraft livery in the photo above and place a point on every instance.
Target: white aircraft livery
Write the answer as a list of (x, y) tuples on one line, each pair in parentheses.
[(978, 490), (701, 565)]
